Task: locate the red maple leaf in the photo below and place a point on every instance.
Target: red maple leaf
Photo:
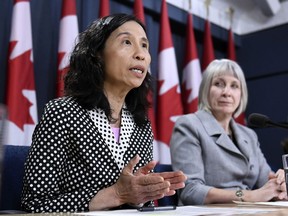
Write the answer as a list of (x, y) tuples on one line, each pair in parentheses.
[(20, 77)]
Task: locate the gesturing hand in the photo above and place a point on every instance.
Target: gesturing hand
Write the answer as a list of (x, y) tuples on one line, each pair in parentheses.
[(176, 178), (140, 187)]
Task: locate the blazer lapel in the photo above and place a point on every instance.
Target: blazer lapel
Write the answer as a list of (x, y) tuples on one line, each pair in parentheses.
[(215, 131), (241, 139)]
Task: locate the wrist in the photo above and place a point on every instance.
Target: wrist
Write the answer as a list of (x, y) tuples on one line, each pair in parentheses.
[(105, 199), (116, 195), (240, 195)]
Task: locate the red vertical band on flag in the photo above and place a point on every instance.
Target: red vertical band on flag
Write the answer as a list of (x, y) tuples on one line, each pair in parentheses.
[(165, 40), (17, 1), (208, 49), (231, 54), (192, 75), (231, 49), (104, 9), (68, 8), (139, 10)]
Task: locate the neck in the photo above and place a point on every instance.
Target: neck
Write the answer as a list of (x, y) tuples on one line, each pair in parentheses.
[(224, 121), (115, 119), (116, 102)]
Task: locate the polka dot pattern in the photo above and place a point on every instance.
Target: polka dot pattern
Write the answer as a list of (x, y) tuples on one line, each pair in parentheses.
[(72, 157), (102, 123)]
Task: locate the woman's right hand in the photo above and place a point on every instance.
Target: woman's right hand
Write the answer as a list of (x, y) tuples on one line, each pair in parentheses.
[(272, 190), (140, 187)]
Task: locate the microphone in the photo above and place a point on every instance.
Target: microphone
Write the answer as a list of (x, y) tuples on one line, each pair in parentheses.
[(261, 121)]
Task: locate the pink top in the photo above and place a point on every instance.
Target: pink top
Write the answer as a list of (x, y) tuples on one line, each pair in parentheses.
[(116, 132)]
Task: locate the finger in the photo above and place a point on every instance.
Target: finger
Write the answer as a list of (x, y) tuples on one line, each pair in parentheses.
[(171, 174), (280, 176), (279, 171), (177, 186), (130, 166), (282, 195), (272, 175), (147, 168), (174, 177), (151, 190), (150, 180), (177, 179), (283, 187)]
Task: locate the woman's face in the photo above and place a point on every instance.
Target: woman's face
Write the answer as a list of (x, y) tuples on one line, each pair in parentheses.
[(126, 57), (224, 95)]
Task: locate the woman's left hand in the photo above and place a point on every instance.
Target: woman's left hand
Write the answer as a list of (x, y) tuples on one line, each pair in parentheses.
[(280, 176), (176, 178)]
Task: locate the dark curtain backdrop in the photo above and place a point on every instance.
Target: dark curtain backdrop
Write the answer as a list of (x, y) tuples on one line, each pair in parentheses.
[(262, 56)]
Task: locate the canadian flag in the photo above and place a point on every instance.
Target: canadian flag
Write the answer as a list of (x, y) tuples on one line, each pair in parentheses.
[(231, 54), (104, 8), (139, 13), (67, 40), (169, 104), (20, 95), (231, 48), (139, 10), (192, 75), (208, 49)]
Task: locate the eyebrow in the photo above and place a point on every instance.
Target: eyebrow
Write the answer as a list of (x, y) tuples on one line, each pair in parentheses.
[(223, 80), (128, 33)]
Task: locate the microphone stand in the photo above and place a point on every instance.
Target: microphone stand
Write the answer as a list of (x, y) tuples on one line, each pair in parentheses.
[(275, 124)]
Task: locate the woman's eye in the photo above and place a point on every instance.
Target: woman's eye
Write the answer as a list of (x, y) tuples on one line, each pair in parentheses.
[(219, 84), (127, 42), (235, 86), (145, 45)]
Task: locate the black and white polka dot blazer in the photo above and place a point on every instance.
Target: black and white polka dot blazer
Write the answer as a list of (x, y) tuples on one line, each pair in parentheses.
[(70, 158)]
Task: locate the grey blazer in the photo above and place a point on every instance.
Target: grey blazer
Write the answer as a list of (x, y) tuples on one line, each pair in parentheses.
[(205, 153)]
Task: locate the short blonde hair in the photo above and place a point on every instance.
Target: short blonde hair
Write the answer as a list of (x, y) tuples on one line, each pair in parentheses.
[(222, 67)]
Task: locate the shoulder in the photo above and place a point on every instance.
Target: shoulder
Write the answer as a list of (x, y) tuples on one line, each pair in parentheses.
[(200, 116), (63, 105), (188, 123), (62, 102)]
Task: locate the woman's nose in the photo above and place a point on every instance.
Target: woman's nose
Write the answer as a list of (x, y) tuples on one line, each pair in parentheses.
[(139, 53), (140, 57), (226, 91)]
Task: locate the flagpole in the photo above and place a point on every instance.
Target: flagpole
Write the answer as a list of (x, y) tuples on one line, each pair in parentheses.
[(230, 14), (208, 49), (207, 4)]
